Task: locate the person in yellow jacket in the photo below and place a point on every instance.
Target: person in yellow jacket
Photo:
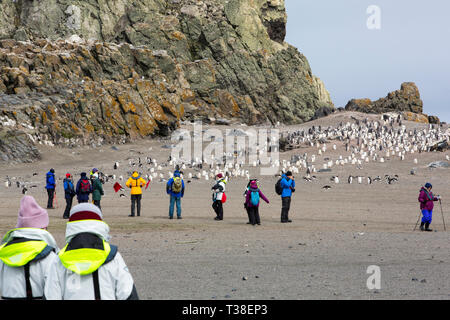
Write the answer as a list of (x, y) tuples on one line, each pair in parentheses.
[(136, 182)]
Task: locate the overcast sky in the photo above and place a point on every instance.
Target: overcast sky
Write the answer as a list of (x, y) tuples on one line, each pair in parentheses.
[(412, 44)]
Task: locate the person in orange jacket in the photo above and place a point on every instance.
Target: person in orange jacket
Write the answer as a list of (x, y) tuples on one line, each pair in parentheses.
[(136, 182)]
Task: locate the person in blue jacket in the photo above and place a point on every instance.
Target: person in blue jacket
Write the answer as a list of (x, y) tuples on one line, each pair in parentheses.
[(175, 188), (50, 186), (288, 185), (69, 193)]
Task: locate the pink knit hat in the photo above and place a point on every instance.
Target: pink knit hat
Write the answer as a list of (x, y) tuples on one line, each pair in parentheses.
[(31, 215)]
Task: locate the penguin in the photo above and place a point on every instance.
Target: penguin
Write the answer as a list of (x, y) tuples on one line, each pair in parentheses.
[(350, 179), (392, 180), (24, 190), (326, 187), (369, 180)]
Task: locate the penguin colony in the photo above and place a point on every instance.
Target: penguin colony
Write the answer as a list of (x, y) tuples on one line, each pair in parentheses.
[(364, 142)]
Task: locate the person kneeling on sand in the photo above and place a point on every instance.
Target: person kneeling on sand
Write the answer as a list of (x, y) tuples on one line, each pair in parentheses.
[(136, 182), (88, 267), (26, 253), (426, 199), (252, 201), (219, 196)]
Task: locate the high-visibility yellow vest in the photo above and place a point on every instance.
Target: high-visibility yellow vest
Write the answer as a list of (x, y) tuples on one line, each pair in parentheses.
[(84, 260), (20, 253)]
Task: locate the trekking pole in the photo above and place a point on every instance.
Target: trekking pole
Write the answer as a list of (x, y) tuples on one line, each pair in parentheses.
[(417, 221), (55, 200), (442, 212)]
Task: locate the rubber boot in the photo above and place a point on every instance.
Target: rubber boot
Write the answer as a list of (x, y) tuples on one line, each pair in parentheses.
[(427, 225), (422, 226)]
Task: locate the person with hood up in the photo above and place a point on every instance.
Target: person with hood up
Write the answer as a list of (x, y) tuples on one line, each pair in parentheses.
[(218, 196), (426, 199), (69, 193), (136, 182), (175, 188), (97, 188), (288, 186), (91, 175), (26, 253), (84, 188), (252, 201), (245, 195), (88, 267), (50, 186)]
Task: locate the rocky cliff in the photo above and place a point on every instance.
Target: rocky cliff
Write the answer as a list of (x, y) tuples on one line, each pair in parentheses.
[(82, 72), (406, 101)]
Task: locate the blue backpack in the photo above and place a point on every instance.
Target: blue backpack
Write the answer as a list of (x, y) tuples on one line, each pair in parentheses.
[(254, 197)]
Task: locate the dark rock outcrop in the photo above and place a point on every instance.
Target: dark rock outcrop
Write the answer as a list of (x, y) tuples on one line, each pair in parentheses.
[(17, 147), (112, 71), (407, 99)]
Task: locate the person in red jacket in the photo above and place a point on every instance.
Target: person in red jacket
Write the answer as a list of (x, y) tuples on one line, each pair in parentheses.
[(426, 199)]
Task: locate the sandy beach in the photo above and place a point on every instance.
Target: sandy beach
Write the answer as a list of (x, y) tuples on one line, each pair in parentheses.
[(324, 253)]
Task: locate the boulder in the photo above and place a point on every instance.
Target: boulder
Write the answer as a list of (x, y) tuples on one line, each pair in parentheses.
[(407, 99), (434, 120), (323, 112), (415, 117)]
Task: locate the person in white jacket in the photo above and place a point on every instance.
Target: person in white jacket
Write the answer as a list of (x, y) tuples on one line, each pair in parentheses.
[(218, 196), (88, 267), (26, 253)]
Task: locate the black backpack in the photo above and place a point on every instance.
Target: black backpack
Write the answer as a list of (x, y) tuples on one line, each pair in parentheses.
[(278, 188)]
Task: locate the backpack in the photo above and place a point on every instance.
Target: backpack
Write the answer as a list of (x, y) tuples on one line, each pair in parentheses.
[(254, 196), (278, 188), (224, 198), (177, 185), (85, 186)]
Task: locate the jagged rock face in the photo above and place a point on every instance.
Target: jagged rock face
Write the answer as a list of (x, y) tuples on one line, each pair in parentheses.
[(17, 147), (407, 99), (137, 67), (65, 93)]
